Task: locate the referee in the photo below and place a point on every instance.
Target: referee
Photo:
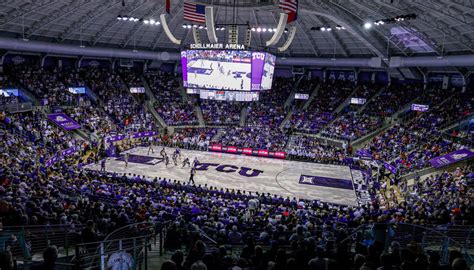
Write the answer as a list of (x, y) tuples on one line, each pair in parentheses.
[(191, 176)]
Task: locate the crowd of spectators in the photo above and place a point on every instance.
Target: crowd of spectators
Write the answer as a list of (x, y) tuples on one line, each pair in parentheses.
[(311, 230), (351, 126), (169, 101), (255, 137), (393, 98), (321, 109), (219, 113)]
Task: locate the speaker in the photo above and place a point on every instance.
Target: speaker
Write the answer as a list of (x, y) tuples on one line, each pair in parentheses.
[(291, 36), (167, 30), (280, 29)]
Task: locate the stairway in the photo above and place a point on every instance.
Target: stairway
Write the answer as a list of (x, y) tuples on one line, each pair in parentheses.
[(151, 109), (370, 99), (287, 118), (148, 91), (311, 97), (346, 102), (218, 135), (198, 111), (243, 116)]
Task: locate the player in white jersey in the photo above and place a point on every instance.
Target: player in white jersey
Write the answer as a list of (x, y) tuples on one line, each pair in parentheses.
[(150, 145), (127, 155)]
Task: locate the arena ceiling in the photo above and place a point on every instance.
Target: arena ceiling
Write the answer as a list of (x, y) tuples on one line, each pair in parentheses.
[(442, 27)]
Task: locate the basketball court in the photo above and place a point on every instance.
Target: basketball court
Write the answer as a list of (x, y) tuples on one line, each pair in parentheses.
[(328, 183)]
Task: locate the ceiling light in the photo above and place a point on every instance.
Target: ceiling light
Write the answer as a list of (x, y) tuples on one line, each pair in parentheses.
[(201, 27), (146, 21), (264, 30), (259, 29), (323, 28), (253, 29), (189, 26), (184, 26), (152, 21), (367, 25), (329, 29)]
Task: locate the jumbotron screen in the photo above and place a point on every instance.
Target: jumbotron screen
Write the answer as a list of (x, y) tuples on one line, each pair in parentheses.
[(227, 70)]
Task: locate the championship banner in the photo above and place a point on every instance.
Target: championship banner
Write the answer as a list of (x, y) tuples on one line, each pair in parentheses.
[(451, 158), (247, 151), (63, 121)]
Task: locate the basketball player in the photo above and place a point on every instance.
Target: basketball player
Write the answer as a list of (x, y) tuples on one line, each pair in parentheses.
[(186, 162), (102, 165), (167, 161), (126, 159), (175, 159), (163, 153), (191, 176), (177, 151), (150, 146), (195, 162)]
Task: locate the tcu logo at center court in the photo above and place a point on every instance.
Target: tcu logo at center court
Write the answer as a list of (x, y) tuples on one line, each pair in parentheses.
[(244, 171)]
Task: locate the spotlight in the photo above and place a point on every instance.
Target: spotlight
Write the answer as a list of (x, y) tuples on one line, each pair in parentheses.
[(286, 30), (367, 25), (329, 29), (195, 26), (189, 26), (264, 30), (146, 21), (119, 17), (259, 30), (274, 29), (323, 29), (201, 27), (152, 21), (253, 29), (184, 26)]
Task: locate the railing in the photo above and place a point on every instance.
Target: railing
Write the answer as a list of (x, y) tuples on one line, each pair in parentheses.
[(17, 107), (31, 240), (136, 248), (136, 239), (442, 239)]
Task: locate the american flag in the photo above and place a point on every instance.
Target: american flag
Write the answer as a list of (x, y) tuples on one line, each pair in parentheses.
[(291, 8), (194, 12)]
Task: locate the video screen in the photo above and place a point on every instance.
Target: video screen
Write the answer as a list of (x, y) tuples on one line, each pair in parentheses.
[(137, 90), (219, 69), (9, 92), (228, 95), (268, 70), (301, 96), (358, 101), (419, 107), (76, 90), (227, 70)]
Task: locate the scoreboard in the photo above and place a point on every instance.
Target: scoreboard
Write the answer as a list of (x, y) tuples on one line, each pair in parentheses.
[(227, 70)]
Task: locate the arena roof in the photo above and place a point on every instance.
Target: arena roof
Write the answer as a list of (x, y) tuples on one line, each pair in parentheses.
[(442, 27)]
